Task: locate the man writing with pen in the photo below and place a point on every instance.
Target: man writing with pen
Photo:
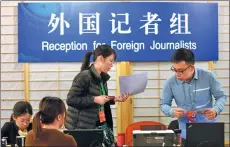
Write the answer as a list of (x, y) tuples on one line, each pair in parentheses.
[(192, 89)]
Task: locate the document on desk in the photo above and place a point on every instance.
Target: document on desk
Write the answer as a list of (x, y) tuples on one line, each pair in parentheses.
[(133, 84)]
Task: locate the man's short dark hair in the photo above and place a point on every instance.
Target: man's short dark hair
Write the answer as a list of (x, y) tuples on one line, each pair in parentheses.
[(183, 54)]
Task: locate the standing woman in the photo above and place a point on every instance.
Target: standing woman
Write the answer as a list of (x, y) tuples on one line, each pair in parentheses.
[(88, 101), (19, 123)]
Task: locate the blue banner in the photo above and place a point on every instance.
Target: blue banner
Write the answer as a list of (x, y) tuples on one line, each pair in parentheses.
[(138, 31)]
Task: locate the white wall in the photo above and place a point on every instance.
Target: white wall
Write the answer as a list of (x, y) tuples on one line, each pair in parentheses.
[(55, 78)]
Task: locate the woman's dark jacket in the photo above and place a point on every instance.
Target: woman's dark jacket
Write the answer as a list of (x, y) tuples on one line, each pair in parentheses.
[(82, 112)]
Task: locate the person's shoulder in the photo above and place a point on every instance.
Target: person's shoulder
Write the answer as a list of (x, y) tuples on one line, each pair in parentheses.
[(30, 138), (62, 135), (170, 80), (30, 134), (68, 137), (203, 70), (83, 74), (7, 125), (204, 73), (53, 133), (71, 141), (56, 132)]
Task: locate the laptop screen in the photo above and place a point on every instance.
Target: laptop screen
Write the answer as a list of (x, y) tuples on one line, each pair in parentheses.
[(86, 137), (205, 134)]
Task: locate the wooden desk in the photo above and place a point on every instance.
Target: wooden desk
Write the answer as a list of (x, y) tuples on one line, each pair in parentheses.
[(226, 143)]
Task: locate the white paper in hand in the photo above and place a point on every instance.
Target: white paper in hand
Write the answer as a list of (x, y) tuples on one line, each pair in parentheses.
[(133, 84)]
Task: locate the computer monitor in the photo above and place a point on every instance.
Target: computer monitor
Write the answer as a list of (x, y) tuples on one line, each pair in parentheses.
[(205, 134), (87, 137)]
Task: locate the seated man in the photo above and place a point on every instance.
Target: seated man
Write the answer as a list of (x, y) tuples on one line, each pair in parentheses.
[(192, 89)]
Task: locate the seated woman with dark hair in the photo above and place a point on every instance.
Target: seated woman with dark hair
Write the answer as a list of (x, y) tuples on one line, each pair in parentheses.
[(46, 125), (19, 123)]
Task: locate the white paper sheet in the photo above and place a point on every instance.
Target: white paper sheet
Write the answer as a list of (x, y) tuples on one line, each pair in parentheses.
[(133, 84)]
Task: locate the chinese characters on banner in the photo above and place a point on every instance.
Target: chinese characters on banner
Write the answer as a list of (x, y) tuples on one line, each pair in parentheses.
[(90, 22)]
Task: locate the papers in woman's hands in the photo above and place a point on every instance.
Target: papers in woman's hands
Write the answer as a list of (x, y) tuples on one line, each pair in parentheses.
[(133, 84)]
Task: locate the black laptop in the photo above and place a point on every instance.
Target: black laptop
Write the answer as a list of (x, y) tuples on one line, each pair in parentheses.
[(205, 134), (87, 137)]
